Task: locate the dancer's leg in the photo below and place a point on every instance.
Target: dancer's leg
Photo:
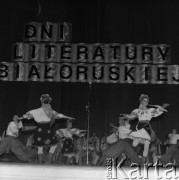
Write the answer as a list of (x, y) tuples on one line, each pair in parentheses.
[(17, 148), (40, 155)]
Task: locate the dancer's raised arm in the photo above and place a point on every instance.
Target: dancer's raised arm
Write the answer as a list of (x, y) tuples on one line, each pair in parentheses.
[(130, 116), (59, 116), (113, 126), (158, 110)]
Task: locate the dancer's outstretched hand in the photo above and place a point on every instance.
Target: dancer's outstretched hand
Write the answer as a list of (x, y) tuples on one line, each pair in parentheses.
[(123, 115), (20, 118), (111, 124), (165, 105)]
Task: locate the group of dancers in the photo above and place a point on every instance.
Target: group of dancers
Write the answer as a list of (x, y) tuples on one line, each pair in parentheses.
[(59, 144)]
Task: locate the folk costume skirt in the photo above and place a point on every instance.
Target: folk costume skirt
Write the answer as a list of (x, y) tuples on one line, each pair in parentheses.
[(44, 136)]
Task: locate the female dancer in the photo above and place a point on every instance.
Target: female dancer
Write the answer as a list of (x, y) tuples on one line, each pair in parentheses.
[(144, 114), (45, 117)]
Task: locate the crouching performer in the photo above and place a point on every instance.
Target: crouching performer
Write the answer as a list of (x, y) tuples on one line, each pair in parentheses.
[(11, 144), (122, 146)]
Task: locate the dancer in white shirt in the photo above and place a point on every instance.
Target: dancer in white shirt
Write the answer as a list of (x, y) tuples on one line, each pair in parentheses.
[(45, 117), (173, 147), (69, 131), (123, 145), (10, 144), (124, 132), (68, 148), (144, 114), (114, 137)]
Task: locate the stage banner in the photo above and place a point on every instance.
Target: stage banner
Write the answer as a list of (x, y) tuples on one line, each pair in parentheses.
[(32, 32), (19, 71), (51, 32), (47, 54), (173, 75), (162, 54), (130, 53), (82, 72), (81, 53), (19, 51), (114, 53), (144, 74)]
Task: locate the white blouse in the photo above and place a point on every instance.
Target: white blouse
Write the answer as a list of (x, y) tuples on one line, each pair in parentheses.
[(39, 115), (146, 114)]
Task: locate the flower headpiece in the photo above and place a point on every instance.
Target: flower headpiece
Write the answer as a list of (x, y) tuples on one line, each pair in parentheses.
[(45, 98), (143, 96)]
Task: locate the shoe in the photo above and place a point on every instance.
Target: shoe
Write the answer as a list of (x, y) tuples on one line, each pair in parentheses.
[(144, 159), (49, 158), (40, 158)]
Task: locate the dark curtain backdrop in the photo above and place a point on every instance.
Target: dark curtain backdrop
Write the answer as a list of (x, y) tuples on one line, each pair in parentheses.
[(104, 21)]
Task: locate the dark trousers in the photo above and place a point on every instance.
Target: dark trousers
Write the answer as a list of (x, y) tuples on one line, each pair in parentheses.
[(12, 144), (121, 146), (170, 153)]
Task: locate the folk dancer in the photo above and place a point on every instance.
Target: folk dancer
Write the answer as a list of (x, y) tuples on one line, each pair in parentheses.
[(10, 143), (173, 147), (114, 137), (144, 114), (104, 145), (69, 149), (45, 117), (122, 147), (94, 146)]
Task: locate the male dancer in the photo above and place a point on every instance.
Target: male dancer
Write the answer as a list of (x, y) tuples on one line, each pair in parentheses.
[(11, 144), (123, 145), (173, 147)]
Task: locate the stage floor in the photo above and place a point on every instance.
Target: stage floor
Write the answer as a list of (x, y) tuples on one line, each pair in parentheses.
[(12, 171), (20, 171)]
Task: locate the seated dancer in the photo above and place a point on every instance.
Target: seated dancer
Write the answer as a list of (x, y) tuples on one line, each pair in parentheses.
[(123, 145), (43, 135), (144, 114), (94, 145), (11, 144), (68, 148), (85, 152), (173, 147), (79, 143), (104, 145), (68, 132)]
